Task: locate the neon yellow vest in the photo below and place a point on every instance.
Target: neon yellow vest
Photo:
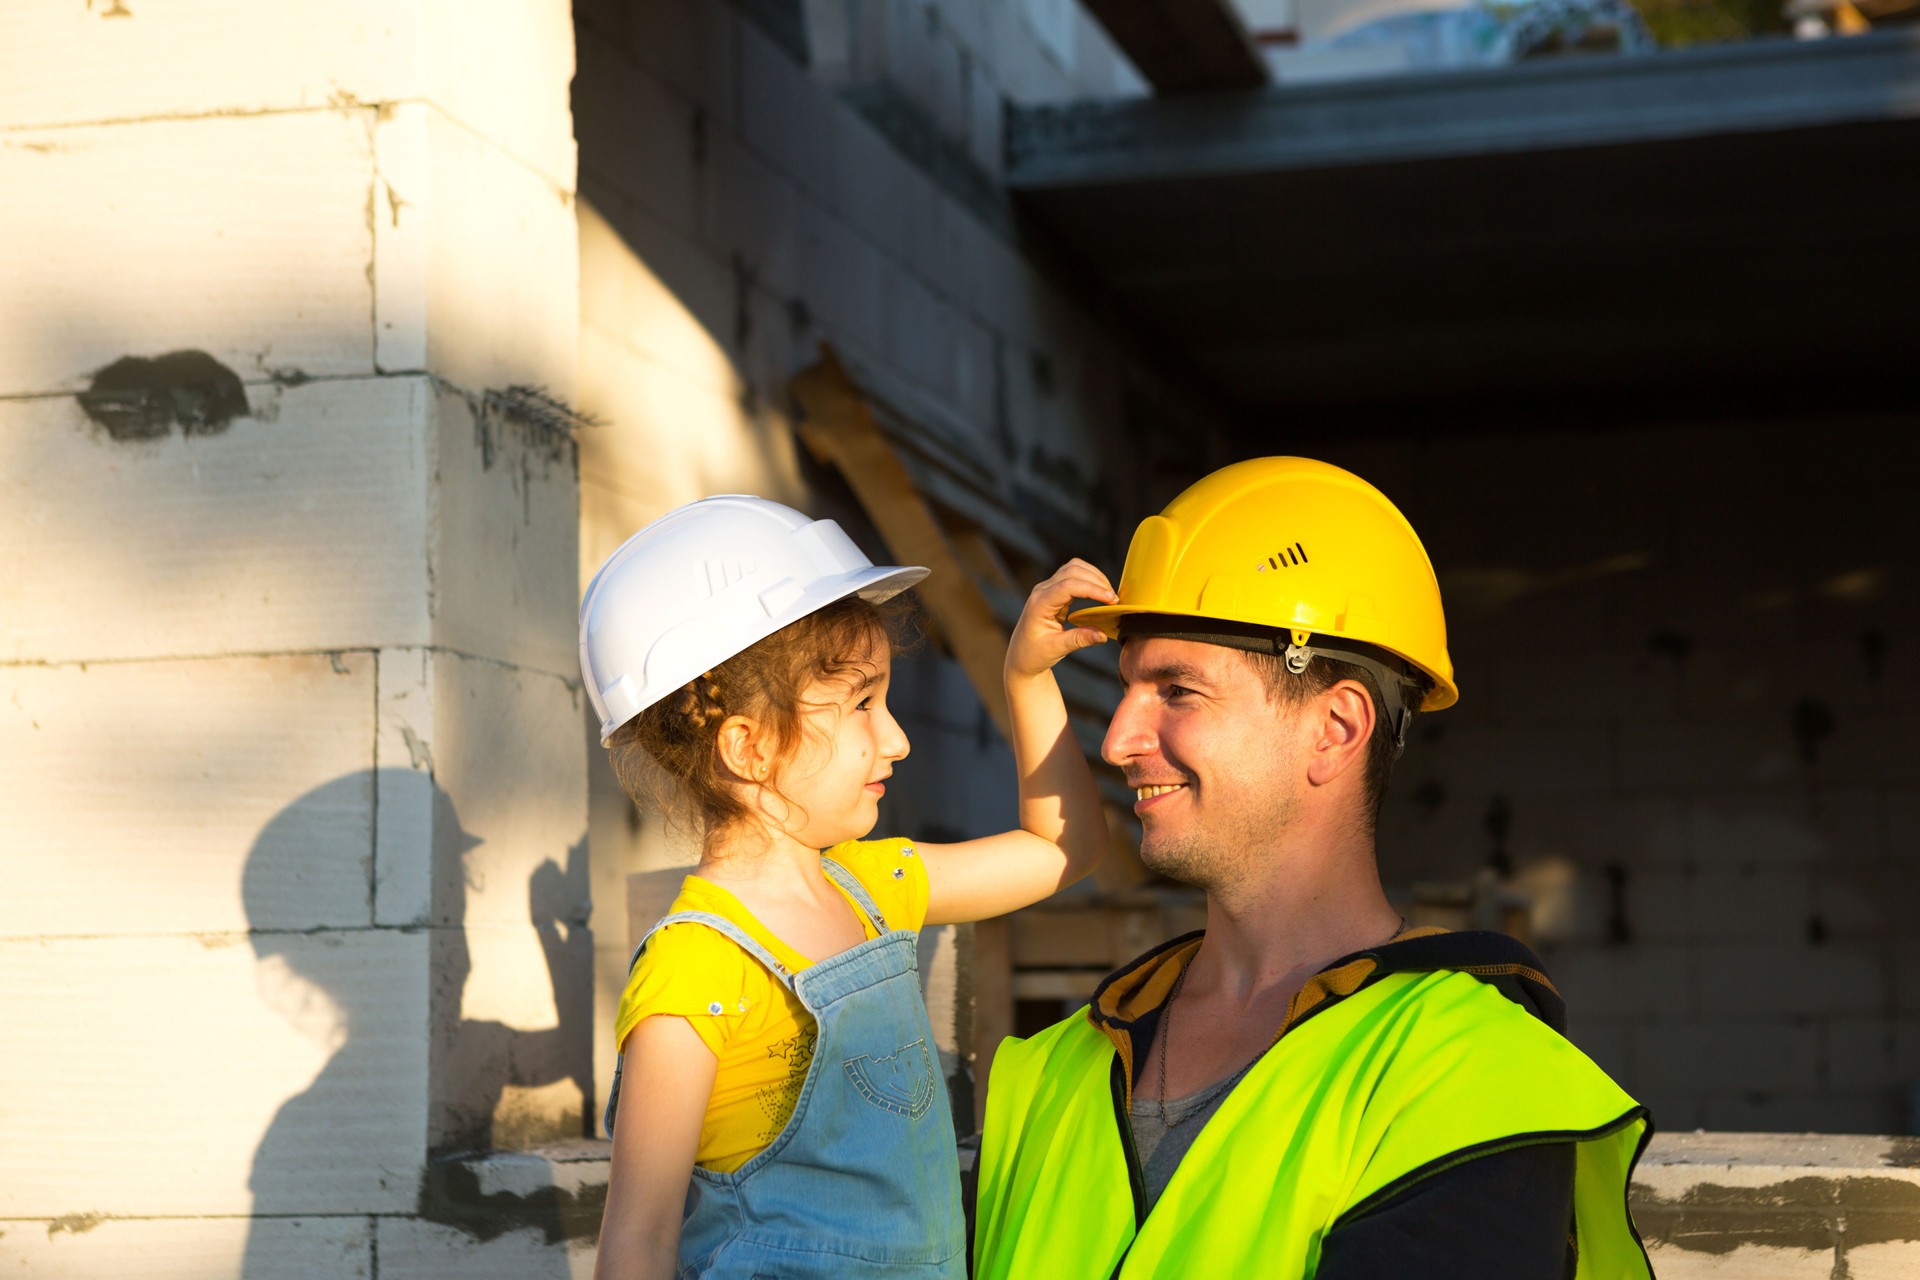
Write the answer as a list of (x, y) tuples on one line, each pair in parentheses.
[(1359, 1101)]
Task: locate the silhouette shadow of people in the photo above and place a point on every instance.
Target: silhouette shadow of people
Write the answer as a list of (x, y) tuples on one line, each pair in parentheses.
[(410, 1082)]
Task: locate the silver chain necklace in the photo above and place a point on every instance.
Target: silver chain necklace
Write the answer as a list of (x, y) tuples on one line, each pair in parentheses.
[(1166, 1042)]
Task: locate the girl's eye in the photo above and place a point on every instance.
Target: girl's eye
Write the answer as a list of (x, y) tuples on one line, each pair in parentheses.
[(865, 704)]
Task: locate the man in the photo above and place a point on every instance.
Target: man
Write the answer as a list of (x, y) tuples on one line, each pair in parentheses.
[(1308, 1087)]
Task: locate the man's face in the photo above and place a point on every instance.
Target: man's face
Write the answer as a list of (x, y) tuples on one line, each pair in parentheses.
[(1210, 759)]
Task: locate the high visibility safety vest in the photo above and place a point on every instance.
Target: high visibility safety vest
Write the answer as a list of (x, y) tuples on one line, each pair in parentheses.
[(1402, 1080)]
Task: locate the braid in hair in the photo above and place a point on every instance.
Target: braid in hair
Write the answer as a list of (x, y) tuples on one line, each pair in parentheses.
[(700, 703)]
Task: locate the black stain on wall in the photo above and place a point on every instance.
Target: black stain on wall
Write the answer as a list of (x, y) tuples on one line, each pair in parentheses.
[(137, 398)]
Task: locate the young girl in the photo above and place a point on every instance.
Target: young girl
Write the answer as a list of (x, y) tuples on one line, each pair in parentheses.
[(778, 1111)]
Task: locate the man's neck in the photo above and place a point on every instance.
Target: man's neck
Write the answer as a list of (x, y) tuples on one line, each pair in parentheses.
[(1320, 899)]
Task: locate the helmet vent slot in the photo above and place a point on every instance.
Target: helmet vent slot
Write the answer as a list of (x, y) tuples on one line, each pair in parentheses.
[(1285, 557)]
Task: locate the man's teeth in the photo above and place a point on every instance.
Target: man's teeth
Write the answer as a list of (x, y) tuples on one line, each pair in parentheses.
[(1148, 793)]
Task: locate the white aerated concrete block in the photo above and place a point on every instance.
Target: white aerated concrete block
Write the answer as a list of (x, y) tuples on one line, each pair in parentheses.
[(88, 1248), (411, 1249), (245, 238), (116, 62), (786, 116), (476, 259), (518, 102), (687, 44), (656, 294), (406, 800), (271, 1073), (505, 540), (191, 796), (1761, 1054), (1645, 980), (669, 440), (647, 142), (508, 757), (1783, 980), (303, 527), (1747, 1262)]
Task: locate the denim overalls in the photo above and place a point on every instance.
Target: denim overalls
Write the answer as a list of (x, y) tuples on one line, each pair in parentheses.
[(864, 1180)]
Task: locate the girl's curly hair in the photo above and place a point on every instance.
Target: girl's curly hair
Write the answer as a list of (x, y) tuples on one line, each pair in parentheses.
[(667, 758)]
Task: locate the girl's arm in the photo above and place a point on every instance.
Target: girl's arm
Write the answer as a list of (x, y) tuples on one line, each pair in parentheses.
[(664, 1089), (1063, 831)]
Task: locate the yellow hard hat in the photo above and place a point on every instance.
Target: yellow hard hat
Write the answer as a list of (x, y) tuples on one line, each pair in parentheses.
[(1297, 547)]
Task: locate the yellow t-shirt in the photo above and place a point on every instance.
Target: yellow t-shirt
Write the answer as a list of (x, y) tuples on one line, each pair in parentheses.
[(761, 1033)]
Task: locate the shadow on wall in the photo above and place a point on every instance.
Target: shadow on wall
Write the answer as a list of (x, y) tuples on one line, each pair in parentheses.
[(363, 989)]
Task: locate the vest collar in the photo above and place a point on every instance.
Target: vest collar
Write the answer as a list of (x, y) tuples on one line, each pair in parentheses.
[(1126, 1005)]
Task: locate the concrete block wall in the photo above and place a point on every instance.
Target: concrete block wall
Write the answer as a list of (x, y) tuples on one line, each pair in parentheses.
[(738, 207), (1686, 662), (1708, 1206), (291, 783)]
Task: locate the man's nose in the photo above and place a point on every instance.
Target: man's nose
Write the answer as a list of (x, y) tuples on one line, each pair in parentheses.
[(1129, 734)]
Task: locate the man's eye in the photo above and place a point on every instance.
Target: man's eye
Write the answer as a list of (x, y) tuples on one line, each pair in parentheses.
[(1177, 691)]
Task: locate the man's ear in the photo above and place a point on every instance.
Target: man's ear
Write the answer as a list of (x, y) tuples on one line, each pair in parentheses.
[(1346, 725), (743, 747)]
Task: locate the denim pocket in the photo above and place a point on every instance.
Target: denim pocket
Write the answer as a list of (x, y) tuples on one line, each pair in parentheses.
[(903, 1082)]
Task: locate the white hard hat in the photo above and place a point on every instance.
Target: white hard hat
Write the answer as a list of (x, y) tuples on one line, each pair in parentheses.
[(704, 582)]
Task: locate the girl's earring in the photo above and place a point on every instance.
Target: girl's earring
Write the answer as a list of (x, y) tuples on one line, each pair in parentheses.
[(763, 771)]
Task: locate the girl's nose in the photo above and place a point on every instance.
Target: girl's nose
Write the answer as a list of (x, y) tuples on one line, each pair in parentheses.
[(895, 746)]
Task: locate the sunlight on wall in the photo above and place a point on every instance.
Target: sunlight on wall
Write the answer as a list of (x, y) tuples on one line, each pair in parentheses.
[(679, 423)]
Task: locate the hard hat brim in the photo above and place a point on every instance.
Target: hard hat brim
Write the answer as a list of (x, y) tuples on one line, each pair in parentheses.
[(1105, 618), (875, 583)]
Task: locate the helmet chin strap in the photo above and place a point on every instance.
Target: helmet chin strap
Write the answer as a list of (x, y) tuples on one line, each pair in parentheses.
[(1394, 679), (1393, 685)]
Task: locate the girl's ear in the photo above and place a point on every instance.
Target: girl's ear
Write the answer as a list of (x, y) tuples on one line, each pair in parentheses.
[(743, 749)]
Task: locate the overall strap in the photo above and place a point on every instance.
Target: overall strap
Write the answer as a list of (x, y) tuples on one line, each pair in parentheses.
[(727, 929), (855, 890)]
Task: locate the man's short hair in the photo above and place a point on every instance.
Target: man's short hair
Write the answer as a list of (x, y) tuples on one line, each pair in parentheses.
[(1288, 689)]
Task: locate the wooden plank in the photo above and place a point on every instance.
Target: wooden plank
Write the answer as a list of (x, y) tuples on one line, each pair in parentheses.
[(1100, 937), (839, 428), (1184, 46), (1056, 984), (1046, 939)]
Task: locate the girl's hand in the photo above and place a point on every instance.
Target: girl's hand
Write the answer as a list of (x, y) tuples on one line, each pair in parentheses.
[(1042, 637)]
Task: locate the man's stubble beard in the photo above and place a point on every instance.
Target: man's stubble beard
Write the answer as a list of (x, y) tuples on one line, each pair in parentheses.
[(1223, 851)]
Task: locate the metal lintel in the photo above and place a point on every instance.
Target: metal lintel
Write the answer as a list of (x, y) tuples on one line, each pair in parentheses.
[(1536, 106)]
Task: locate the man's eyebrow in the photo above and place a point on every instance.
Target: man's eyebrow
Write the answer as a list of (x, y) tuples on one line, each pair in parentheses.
[(1175, 673)]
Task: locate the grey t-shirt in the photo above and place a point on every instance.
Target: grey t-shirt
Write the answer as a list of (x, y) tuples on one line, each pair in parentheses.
[(1163, 1146)]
